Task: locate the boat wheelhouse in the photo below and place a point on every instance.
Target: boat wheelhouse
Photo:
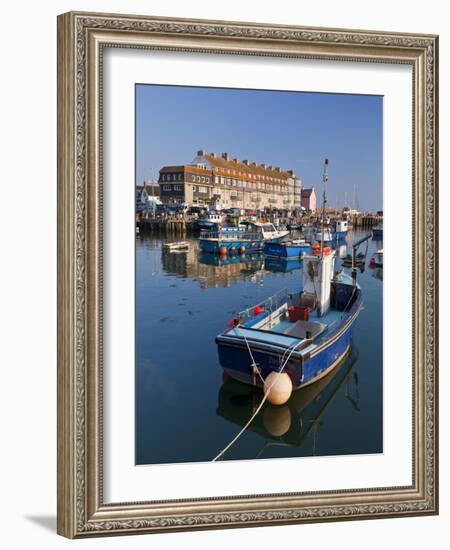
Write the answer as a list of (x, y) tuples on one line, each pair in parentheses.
[(210, 220), (340, 229)]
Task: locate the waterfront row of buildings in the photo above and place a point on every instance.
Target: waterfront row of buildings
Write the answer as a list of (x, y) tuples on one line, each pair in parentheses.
[(218, 182)]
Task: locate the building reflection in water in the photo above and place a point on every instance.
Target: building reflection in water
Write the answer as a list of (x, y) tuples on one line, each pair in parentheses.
[(211, 270)]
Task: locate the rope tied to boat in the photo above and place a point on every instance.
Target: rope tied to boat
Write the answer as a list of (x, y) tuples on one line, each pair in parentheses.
[(260, 406), (253, 364)]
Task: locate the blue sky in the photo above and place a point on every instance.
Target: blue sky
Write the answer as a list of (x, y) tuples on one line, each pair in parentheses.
[(293, 130)]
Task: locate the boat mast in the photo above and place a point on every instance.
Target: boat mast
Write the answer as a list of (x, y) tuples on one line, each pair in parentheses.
[(325, 180)]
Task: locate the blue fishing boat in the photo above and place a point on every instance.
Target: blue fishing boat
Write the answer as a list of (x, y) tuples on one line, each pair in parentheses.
[(239, 239), (287, 250), (301, 335)]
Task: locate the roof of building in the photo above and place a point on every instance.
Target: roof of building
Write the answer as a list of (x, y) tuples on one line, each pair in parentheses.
[(184, 168), (223, 162), (306, 193)]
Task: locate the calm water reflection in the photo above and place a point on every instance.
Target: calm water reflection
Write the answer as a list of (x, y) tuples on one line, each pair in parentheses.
[(186, 411)]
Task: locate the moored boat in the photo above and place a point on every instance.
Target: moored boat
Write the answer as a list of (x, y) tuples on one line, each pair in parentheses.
[(179, 245), (287, 250), (239, 239), (304, 333)]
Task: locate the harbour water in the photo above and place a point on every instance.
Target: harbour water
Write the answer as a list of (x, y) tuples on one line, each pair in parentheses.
[(187, 412)]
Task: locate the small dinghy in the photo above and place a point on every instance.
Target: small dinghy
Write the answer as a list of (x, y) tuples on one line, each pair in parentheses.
[(180, 245)]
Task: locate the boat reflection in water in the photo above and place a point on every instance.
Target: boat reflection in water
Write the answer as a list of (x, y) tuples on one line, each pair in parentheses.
[(377, 273), (278, 265), (255, 259), (291, 423)]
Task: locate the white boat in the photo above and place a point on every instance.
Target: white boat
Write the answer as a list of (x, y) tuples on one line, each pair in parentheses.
[(179, 245), (268, 231)]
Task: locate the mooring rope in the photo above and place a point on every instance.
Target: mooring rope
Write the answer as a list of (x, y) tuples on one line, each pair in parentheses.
[(254, 364), (263, 400)]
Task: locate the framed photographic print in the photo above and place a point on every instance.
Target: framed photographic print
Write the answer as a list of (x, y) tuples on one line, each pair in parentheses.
[(247, 284)]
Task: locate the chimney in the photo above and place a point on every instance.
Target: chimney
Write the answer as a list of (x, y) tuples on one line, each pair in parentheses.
[(213, 155), (277, 168), (253, 163), (263, 165), (225, 156), (290, 172), (235, 160), (201, 153), (246, 162), (270, 167)]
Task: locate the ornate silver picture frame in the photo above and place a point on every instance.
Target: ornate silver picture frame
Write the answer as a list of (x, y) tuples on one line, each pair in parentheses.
[(82, 39)]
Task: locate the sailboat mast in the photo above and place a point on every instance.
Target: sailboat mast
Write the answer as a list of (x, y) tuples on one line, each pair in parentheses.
[(325, 180)]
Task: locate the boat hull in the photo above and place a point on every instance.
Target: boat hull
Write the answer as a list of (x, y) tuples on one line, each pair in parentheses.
[(232, 245), (285, 251)]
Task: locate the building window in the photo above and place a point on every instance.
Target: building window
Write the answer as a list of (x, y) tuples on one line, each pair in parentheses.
[(178, 188), (207, 180), (163, 177), (203, 179), (216, 179), (167, 187), (198, 179), (202, 190), (168, 177)]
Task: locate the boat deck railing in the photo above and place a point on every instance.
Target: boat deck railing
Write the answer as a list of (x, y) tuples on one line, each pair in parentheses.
[(237, 235), (267, 306)]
